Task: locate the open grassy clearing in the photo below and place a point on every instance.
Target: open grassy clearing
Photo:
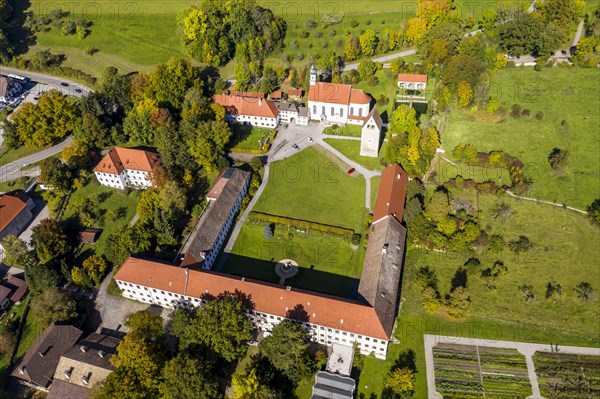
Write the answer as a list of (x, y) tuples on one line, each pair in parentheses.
[(17, 184), (564, 375), (115, 209), (327, 264), (464, 371), (444, 171), (351, 149), (311, 187), (562, 94), (136, 35), (348, 130), (249, 137)]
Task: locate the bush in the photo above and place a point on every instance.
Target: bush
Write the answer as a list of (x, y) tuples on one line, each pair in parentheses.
[(538, 66), (310, 24), (353, 23), (382, 100), (90, 50), (372, 81), (68, 28), (269, 231), (539, 115), (355, 239), (304, 34), (526, 113), (332, 33), (515, 111)]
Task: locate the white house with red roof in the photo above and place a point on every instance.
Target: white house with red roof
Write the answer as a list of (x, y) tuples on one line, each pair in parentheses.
[(127, 167), (335, 103), (248, 109), (412, 81)]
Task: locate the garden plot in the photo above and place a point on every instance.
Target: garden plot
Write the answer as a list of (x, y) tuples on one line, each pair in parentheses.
[(469, 371), (566, 376)]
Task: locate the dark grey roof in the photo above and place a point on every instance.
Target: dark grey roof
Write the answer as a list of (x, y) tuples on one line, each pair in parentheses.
[(93, 344), (215, 216), (332, 386), (293, 107), (52, 343), (380, 279), (303, 111), (376, 118), (66, 390)]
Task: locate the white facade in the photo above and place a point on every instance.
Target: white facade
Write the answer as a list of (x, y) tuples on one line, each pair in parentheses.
[(342, 114), (127, 178), (265, 322), (369, 139), (211, 256), (258, 121)]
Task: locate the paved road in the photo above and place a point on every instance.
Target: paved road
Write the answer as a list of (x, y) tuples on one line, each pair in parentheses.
[(579, 33), (525, 348), (389, 57), (13, 170), (53, 81)]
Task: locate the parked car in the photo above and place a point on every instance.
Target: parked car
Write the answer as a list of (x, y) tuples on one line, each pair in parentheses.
[(77, 90), (63, 84), (295, 147), (310, 139), (350, 171), (285, 125)]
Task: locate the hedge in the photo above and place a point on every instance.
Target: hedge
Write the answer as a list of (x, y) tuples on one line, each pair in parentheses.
[(259, 217), (263, 150)]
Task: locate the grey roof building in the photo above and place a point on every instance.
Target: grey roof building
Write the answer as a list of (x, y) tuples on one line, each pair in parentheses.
[(224, 200), (83, 366), (37, 367), (380, 279), (332, 386)]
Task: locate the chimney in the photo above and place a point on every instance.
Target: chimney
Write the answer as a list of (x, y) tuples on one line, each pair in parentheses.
[(68, 373), (86, 379), (41, 354), (101, 353), (259, 101), (22, 370), (83, 348), (288, 288)]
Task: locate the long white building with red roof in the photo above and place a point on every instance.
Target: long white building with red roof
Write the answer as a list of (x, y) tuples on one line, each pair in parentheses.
[(367, 321), (248, 109), (335, 103), (127, 167)]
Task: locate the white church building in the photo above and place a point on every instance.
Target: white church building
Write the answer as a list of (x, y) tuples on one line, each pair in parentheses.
[(335, 103)]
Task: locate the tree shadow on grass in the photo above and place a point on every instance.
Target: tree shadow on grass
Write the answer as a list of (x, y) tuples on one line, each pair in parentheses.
[(459, 279), (18, 34)]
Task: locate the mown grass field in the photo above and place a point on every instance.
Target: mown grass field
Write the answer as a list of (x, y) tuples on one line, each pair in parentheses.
[(569, 95), (351, 149), (327, 264), (311, 187), (111, 200), (136, 35)]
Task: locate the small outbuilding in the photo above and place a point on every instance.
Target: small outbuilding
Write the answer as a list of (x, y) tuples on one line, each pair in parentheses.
[(89, 236), (412, 81)]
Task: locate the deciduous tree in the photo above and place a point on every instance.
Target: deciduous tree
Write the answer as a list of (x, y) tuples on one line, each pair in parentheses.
[(50, 241), (185, 377), (53, 306)]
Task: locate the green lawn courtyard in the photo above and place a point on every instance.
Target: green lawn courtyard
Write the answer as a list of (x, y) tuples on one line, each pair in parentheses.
[(308, 186), (351, 149), (311, 187), (569, 101), (249, 137)]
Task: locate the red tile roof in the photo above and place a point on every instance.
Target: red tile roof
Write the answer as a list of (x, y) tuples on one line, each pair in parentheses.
[(391, 194), (295, 92), (359, 97), (273, 299), (251, 106), (410, 77), (11, 206), (120, 158)]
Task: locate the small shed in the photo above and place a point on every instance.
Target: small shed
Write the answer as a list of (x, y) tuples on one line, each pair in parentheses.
[(294, 94), (89, 236)]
